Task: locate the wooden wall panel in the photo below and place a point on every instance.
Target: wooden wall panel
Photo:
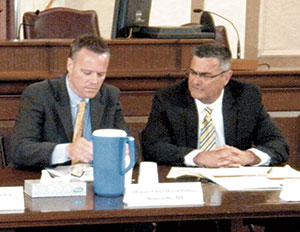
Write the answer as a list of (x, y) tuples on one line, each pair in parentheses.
[(136, 103), (282, 99), (47, 58), (141, 57), (9, 107), (290, 127), (7, 20)]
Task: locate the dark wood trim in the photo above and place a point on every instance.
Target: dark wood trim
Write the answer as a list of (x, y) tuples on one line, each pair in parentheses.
[(196, 4), (11, 20), (2, 20), (252, 29), (7, 20)]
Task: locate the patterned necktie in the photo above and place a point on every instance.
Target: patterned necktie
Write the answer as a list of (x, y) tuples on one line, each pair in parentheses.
[(78, 128), (208, 134)]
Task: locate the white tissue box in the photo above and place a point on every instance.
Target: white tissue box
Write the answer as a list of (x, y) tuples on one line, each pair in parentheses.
[(35, 188)]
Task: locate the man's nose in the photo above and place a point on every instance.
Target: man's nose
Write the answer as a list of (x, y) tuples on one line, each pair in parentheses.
[(197, 80), (94, 78)]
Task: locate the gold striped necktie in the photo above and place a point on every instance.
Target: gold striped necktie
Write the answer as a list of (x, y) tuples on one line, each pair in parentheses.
[(208, 134), (78, 128)]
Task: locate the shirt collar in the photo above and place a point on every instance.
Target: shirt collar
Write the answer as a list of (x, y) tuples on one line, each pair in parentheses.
[(74, 98), (216, 105)]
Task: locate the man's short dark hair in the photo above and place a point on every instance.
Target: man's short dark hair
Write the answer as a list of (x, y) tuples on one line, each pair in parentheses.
[(214, 50), (91, 42)]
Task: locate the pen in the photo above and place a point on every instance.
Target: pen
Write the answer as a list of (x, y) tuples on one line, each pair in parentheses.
[(269, 171)]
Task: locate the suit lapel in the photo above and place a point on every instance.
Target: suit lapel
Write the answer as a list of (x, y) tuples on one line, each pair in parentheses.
[(191, 122), (229, 117), (96, 110), (63, 108)]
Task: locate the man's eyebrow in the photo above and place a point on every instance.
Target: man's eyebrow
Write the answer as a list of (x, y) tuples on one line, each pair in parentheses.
[(102, 73), (202, 73), (86, 70)]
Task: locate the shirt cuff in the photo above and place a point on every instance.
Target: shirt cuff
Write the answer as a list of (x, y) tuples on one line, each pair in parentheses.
[(265, 159), (59, 154), (189, 158)]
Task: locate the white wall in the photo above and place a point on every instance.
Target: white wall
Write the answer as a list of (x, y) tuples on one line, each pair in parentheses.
[(163, 12), (235, 11), (170, 12), (104, 9), (279, 28), (279, 20)]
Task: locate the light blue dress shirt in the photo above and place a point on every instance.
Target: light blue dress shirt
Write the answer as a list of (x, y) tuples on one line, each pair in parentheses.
[(59, 154)]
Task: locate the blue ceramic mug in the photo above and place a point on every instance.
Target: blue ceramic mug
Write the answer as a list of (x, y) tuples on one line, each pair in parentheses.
[(109, 151)]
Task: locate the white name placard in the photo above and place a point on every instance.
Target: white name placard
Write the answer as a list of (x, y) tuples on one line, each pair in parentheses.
[(164, 194), (11, 199)]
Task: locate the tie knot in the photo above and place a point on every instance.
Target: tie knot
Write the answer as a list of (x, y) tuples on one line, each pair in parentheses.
[(208, 111), (82, 104)]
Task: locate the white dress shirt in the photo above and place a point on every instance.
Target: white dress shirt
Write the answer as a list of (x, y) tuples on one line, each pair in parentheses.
[(217, 118)]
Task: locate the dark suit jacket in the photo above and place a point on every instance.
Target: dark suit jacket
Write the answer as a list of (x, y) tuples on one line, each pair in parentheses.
[(171, 131), (45, 120)]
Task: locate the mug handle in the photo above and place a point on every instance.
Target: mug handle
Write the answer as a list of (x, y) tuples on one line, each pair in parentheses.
[(131, 142)]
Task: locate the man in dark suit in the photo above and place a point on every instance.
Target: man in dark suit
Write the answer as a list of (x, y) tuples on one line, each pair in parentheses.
[(244, 132), (44, 126)]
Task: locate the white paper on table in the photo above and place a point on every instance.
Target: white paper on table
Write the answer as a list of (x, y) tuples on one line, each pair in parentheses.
[(286, 172), (242, 178), (290, 190), (12, 199), (217, 172), (247, 183), (270, 172)]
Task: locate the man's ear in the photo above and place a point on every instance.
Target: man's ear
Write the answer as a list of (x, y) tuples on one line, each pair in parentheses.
[(70, 64), (227, 76)]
